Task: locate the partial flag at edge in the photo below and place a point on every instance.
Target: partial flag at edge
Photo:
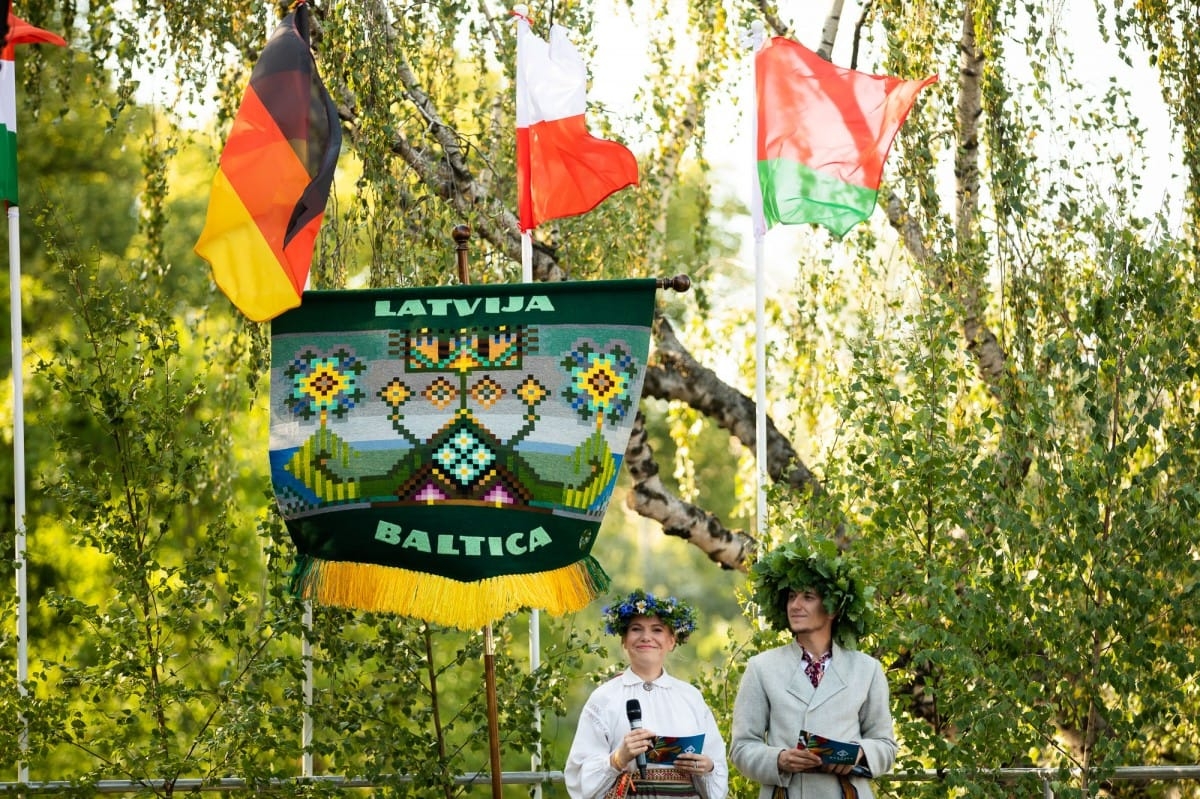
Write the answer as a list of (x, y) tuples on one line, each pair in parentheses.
[(19, 32), (269, 194)]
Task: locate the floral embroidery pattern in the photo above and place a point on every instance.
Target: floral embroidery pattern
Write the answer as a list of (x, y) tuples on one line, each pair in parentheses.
[(600, 381), (324, 384)]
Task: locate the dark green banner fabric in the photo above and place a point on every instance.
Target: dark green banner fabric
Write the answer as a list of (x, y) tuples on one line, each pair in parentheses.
[(467, 433)]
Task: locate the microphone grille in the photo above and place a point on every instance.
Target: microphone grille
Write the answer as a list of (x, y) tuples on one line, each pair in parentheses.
[(633, 709)]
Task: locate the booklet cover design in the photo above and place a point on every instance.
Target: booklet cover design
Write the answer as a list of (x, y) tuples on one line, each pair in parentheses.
[(836, 753), (669, 747)]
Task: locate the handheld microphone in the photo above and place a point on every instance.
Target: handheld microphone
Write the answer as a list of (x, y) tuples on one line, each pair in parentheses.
[(633, 712)]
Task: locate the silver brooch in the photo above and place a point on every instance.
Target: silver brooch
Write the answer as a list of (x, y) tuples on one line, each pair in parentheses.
[(646, 686)]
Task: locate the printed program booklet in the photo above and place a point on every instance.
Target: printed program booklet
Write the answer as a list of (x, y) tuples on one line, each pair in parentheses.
[(669, 747), (836, 753)]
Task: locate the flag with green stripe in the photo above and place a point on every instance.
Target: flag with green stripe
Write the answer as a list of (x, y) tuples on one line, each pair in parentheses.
[(823, 135), (19, 32)]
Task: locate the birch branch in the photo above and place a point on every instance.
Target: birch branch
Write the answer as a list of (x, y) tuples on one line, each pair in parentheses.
[(731, 549)]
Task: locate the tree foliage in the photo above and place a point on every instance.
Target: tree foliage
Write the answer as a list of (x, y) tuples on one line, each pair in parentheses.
[(986, 395)]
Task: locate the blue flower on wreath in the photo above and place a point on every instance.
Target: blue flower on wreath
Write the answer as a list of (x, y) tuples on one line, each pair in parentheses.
[(675, 613), (324, 384), (600, 382)]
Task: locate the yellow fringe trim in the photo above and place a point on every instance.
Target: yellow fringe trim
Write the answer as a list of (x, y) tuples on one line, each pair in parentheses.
[(437, 599)]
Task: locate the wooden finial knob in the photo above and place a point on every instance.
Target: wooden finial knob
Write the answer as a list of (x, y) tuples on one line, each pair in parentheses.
[(461, 234), (678, 283)]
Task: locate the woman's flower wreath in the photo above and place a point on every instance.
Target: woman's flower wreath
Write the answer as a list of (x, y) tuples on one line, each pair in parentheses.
[(834, 577), (675, 613)]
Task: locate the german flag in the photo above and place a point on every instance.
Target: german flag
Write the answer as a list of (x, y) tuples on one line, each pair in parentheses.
[(269, 194)]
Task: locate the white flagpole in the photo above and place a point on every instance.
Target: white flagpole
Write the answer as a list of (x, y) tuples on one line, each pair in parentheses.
[(535, 619), (306, 655), (8, 99), (18, 389), (521, 12), (760, 345), (527, 257), (535, 663)]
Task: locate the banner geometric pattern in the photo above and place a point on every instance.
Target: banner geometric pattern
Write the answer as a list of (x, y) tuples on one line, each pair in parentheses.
[(449, 453)]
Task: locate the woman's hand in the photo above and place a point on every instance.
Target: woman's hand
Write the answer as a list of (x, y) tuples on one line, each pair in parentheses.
[(694, 763), (634, 743)]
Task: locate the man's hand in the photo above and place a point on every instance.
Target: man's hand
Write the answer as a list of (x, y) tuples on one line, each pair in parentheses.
[(797, 760)]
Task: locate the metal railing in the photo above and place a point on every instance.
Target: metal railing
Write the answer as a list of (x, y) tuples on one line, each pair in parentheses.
[(1046, 776)]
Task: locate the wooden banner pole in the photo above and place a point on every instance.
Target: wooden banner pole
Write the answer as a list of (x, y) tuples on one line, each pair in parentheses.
[(493, 712), (461, 234)]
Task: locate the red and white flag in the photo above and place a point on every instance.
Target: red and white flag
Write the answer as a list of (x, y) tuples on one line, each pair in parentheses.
[(562, 170)]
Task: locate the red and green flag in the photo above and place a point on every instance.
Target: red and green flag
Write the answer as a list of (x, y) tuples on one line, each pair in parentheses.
[(19, 32), (823, 135), (269, 194)]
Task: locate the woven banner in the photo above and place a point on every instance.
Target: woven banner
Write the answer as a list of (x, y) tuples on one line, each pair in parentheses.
[(448, 453)]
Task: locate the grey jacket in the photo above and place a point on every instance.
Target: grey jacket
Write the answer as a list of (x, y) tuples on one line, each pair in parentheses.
[(776, 701)]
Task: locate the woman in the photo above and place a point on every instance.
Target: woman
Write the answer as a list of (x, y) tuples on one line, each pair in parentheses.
[(604, 757)]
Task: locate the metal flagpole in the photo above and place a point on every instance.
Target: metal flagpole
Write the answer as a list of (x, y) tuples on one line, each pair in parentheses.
[(760, 345), (535, 624), (18, 33), (18, 389), (535, 662), (526, 258), (306, 652), (521, 12)]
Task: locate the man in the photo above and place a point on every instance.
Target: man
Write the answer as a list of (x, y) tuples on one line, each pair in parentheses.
[(815, 685)]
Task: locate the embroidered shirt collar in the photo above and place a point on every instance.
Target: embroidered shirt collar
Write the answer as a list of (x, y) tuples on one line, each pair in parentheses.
[(820, 661), (663, 680), (814, 668)]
